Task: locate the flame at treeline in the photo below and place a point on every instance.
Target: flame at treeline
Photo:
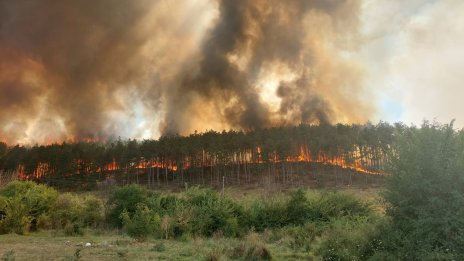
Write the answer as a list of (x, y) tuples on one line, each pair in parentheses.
[(172, 165), (285, 153)]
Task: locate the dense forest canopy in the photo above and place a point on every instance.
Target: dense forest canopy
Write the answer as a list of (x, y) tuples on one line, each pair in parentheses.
[(282, 150)]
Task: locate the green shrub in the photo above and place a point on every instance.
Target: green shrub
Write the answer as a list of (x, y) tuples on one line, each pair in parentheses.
[(168, 205), (92, 212), (125, 199), (44, 222), (72, 210), (28, 206), (298, 208), (268, 214), (67, 210), (347, 239), (301, 237), (250, 249), (73, 229), (212, 213), (3, 205), (388, 243), (17, 217), (333, 205), (22, 204), (142, 223), (200, 212), (425, 193), (256, 252)]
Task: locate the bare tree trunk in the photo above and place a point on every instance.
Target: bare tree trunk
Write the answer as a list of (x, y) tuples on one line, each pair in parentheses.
[(203, 167), (182, 173), (237, 167), (211, 172), (166, 172)]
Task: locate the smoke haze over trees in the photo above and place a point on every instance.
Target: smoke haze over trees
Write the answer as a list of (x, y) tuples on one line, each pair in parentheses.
[(93, 70)]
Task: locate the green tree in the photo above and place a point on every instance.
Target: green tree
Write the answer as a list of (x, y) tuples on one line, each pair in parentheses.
[(3, 149), (425, 193)]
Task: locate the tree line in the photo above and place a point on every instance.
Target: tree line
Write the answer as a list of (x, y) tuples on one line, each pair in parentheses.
[(280, 154)]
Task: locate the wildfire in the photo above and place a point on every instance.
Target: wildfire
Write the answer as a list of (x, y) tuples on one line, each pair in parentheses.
[(110, 167), (305, 156), (356, 165), (156, 164), (113, 166)]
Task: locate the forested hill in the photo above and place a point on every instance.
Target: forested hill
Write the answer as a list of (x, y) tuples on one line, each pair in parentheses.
[(209, 157)]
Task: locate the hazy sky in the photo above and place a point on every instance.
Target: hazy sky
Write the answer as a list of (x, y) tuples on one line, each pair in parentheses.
[(74, 70), (415, 58)]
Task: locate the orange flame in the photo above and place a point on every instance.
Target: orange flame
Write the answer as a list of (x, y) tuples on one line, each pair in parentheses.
[(304, 155), (356, 165)]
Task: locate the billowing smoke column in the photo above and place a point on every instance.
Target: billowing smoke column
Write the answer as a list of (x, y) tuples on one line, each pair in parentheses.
[(90, 70)]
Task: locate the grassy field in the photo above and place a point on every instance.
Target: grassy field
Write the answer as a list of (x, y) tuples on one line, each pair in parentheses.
[(278, 244), (46, 246)]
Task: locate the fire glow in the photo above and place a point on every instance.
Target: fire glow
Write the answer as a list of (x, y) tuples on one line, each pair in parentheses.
[(44, 169)]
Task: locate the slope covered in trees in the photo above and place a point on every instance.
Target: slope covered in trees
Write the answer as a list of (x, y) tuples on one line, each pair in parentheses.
[(423, 199), (283, 154)]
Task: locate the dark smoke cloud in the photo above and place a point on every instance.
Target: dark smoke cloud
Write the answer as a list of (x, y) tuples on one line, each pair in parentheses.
[(263, 33), (95, 69)]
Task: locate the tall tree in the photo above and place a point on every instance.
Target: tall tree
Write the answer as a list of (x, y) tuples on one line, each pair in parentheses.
[(425, 193)]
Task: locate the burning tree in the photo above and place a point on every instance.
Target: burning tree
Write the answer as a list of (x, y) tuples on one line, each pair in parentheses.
[(285, 155)]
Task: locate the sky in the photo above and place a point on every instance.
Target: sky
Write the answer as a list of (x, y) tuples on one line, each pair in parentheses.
[(415, 59), (79, 71)]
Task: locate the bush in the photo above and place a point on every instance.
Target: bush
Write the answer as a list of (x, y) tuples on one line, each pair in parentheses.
[(251, 249), (389, 243), (257, 252), (76, 211), (424, 192), (3, 205), (28, 206), (301, 237), (212, 213), (200, 212), (348, 239), (168, 205), (142, 223), (125, 199), (17, 218), (268, 214), (298, 208), (73, 229), (67, 210), (22, 204), (334, 205), (92, 212), (44, 222), (38, 197)]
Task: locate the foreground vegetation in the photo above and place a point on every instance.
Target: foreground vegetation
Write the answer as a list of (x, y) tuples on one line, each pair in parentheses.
[(292, 223), (423, 216)]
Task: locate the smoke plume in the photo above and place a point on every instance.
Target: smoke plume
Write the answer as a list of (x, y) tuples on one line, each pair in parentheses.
[(91, 70)]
